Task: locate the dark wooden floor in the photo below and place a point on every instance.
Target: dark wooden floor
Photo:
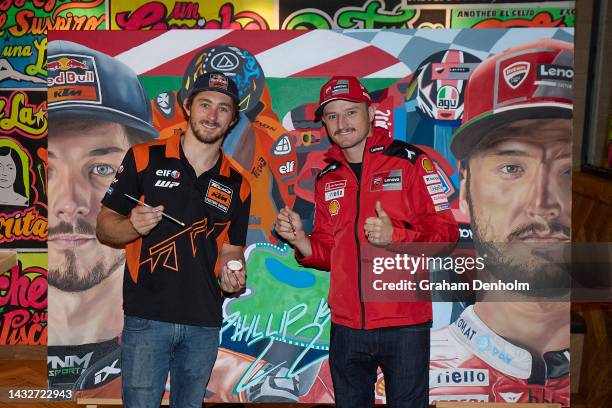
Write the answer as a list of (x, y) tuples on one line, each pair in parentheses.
[(24, 368)]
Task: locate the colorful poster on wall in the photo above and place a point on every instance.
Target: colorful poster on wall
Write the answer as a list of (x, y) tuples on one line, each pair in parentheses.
[(23, 27), (371, 14), (20, 17), (217, 14), (276, 350), (348, 14), (22, 61), (376, 14), (23, 194), (23, 301)]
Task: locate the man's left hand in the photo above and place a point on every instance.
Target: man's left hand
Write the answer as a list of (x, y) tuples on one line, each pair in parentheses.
[(232, 281), (379, 230)]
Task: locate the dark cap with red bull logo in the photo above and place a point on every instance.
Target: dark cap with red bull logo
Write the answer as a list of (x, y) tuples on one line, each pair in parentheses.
[(86, 83), (527, 82), (216, 82), (234, 62)]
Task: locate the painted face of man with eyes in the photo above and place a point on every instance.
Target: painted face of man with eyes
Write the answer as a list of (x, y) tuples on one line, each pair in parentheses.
[(83, 159), (517, 187)]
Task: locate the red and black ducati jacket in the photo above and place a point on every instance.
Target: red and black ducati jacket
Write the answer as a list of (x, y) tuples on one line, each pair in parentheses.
[(405, 181)]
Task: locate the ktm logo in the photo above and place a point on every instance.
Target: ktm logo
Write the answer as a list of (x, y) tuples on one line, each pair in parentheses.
[(166, 183), (220, 196), (64, 92)]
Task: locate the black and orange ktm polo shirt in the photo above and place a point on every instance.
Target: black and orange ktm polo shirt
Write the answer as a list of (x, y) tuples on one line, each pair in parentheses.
[(171, 274)]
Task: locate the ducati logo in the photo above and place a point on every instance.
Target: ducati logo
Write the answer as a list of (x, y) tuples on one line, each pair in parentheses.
[(515, 74)]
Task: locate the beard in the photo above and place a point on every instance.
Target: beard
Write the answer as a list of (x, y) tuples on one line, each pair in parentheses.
[(203, 137), (79, 270), (545, 268)]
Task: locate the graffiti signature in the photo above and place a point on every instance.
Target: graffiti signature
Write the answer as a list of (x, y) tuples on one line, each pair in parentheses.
[(245, 328)]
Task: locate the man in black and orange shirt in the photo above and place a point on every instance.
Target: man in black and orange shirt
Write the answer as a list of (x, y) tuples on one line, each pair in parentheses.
[(175, 273)]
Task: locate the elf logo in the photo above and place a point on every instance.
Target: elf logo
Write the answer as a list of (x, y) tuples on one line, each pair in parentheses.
[(287, 167), (166, 183), (168, 173)]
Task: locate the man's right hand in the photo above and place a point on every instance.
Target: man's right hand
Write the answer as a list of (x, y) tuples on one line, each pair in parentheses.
[(289, 225), (144, 219)]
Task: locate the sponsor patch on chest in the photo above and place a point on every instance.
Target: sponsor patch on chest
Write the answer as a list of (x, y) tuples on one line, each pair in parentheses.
[(334, 189), (330, 195), (218, 195), (387, 181), (334, 207)]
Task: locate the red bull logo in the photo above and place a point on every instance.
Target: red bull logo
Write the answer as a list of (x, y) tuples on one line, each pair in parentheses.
[(69, 77), (65, 63), (217, 81)]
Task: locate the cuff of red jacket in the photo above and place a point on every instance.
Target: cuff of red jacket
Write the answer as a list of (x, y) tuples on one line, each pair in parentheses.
[(320, 257)]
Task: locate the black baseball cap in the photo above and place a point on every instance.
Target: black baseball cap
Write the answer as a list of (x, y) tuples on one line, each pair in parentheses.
[(217, 82)]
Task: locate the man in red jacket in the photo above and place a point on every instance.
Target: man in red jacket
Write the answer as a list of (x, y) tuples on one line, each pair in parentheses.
[(368, 171)]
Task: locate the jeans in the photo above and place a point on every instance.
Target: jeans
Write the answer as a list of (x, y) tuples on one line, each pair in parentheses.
[(401, 352), (149, 349)]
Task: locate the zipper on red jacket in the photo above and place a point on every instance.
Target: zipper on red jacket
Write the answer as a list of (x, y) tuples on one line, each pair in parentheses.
[(359, 251), (363, 172)]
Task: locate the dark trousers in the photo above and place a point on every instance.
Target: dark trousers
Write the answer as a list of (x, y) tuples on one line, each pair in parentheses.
[(401, 352)]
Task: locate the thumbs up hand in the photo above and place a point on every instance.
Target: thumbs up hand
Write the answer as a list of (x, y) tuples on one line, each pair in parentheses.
[(379, 230)]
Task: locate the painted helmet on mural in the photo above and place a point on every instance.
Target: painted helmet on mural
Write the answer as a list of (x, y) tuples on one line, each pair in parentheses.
[(234, 62), (441, 84), (83, 82), (530, 81)]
